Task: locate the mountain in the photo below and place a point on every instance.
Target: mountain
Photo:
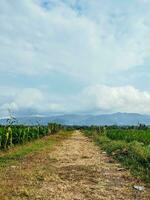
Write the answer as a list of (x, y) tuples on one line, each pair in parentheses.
[(119, 119), (104, 119)]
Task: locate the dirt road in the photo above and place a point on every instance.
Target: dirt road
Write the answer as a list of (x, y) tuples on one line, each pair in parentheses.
[(74, 170)]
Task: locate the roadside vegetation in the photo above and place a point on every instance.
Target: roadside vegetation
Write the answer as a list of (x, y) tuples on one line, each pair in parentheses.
[(11, 135), (14, 153), (129, 145), (17, 141)]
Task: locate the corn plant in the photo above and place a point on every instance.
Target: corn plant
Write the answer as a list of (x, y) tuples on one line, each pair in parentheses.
[(19, 134)]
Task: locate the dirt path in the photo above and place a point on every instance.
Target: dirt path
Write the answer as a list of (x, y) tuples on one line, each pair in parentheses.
[(75, 170)]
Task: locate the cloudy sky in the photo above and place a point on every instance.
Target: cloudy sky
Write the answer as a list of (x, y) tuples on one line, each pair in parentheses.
[(74, 56)]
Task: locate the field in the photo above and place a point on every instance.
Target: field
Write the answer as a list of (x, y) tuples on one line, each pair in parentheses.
[(130, 146), (14, 134), (59, 162)]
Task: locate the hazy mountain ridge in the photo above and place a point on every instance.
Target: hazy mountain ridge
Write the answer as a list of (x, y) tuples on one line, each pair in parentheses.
[(75, 119)]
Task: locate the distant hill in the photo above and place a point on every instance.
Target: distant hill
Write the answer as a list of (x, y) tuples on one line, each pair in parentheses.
[(104, 119)]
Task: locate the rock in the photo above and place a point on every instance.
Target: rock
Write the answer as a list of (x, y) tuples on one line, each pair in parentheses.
[(139, 188)]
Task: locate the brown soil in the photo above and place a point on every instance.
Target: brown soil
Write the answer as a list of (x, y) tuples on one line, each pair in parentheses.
[(75, 169)]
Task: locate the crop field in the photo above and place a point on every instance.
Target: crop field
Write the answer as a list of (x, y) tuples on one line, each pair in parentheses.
[(130, 146), (141, 136), (17, 134)]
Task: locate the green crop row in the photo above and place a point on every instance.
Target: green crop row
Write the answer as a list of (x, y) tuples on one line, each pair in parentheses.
[(142, 136), (15, 134)]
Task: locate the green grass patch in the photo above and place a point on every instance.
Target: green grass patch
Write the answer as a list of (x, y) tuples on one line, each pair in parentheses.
[(134, 155), (19, 152)]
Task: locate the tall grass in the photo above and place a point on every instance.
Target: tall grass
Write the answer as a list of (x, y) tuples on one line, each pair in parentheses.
[(129, 146)]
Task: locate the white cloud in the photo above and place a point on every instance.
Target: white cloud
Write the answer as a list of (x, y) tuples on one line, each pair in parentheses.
[(93, 99), (84, 39), (35, 40), (28, 101), (117, 99)]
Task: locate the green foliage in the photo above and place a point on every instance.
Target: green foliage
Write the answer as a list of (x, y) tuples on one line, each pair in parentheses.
[(130, 146), (19, 134), (54, 128), (142, 136)]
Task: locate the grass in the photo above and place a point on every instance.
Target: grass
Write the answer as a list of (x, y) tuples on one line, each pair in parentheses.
[(142, 136), (132, 153), (13, 155)]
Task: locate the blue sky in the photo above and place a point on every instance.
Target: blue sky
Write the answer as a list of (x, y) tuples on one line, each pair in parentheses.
[(74, 56)]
